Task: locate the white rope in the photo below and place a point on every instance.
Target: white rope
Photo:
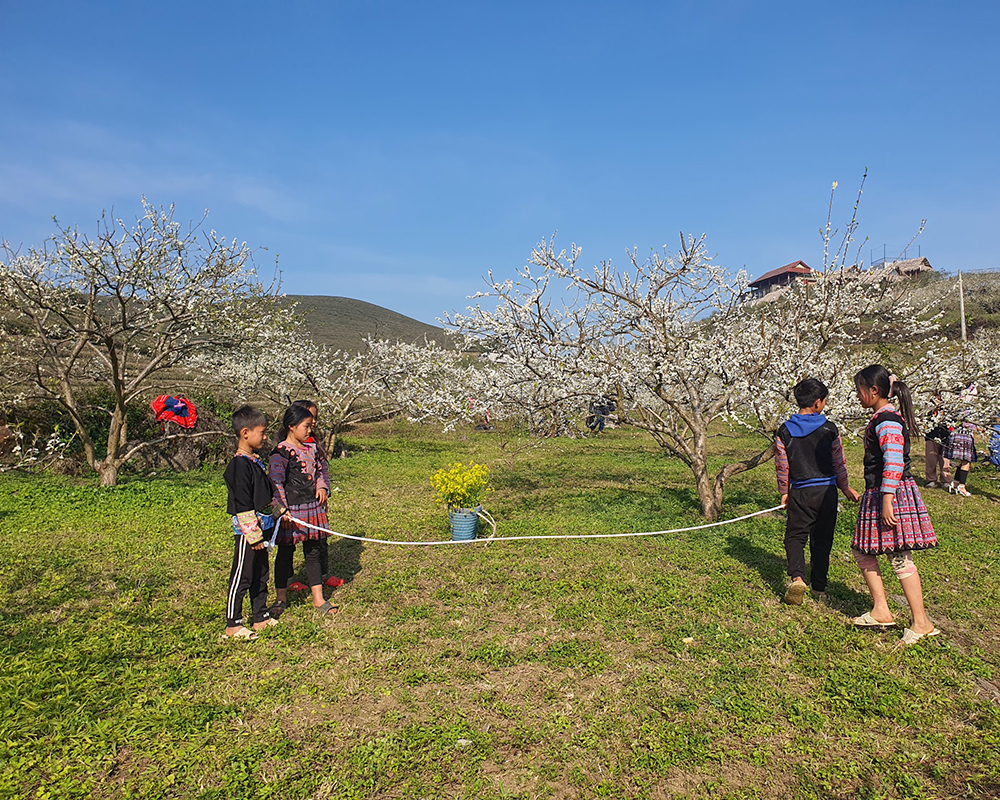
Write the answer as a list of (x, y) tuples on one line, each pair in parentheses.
[(526, 538)]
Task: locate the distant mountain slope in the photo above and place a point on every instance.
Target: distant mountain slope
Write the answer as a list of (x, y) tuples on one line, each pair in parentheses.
[(342, 323)]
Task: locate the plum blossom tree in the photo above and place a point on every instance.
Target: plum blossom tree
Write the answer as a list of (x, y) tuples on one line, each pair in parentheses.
[(121, 309), (384, 379), (675, 340)]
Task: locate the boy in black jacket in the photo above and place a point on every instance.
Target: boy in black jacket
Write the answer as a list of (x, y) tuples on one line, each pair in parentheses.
[(249, 503), (810, 466)]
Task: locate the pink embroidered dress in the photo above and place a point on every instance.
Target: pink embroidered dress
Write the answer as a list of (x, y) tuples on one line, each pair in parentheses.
[(297, 472), (887, 471)]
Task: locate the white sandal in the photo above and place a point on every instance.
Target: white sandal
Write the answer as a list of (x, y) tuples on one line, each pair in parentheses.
[(910, 636)]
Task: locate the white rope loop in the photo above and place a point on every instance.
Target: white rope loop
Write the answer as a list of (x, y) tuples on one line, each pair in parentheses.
[(528, 538)]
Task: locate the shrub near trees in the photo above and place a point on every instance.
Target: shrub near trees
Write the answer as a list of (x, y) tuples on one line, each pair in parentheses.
[(121, 310)]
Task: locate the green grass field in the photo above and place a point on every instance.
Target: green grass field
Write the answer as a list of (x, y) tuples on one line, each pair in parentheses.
[(517, 670)]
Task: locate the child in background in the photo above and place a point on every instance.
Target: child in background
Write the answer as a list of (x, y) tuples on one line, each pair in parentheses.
[(321, 494), (961, 449), (893, 519), (250, 494), (299, 486), (810, 466), (937, 468)]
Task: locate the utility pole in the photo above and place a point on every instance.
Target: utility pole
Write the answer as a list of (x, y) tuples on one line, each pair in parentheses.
[(961, 304)]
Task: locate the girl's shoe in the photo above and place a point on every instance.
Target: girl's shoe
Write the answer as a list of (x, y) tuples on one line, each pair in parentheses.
[(333, 582), (298, 586), (951, 488), (960, 489), (277, 609)]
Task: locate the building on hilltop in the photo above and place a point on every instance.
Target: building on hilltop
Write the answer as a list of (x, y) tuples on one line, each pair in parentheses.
[(911, 267), (775, 280)]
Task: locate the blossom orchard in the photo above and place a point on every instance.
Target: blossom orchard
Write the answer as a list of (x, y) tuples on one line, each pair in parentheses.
[(673, 339), (118, 310)]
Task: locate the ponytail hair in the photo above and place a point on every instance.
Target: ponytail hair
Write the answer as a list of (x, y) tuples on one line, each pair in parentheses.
[(889, 386), (294, 414)]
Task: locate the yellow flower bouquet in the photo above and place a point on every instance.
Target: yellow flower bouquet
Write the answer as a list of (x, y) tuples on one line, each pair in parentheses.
[(460, 486)]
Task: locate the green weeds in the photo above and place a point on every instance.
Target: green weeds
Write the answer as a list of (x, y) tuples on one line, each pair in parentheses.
[(660, 667)]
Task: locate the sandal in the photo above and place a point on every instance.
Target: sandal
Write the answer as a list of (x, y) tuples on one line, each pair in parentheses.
[(866, 620), (270, 622), (910, 636), (242, 633), (277, 609), (796, 591), (327, 609)]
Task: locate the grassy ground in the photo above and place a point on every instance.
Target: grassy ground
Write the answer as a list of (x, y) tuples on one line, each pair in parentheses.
[(548, 670)]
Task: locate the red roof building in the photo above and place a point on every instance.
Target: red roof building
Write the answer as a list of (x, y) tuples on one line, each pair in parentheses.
[(782, 276)]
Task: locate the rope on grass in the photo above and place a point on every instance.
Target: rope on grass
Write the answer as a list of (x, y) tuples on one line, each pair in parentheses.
[(527, 538)]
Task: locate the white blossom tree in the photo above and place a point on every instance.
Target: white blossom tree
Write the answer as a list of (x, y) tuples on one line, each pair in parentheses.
[(384, 379), (121, 310), (673, 338)]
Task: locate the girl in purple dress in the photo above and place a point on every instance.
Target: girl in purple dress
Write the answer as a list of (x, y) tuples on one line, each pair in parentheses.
[(301, 486)]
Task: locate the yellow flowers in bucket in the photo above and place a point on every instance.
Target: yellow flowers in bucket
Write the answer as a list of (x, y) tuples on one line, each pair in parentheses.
[(460, 486)]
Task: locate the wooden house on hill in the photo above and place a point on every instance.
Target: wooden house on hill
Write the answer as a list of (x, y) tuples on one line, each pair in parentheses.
[(911, 267), (777, 278)]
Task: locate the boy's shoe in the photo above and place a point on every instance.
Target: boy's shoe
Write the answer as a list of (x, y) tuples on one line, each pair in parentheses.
[(795, 592), (333, 582), (298, 586), (932, 484), (241, 634), (819, 597)]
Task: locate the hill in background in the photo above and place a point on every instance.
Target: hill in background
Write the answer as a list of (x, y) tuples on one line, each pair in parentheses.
[(342, 323)]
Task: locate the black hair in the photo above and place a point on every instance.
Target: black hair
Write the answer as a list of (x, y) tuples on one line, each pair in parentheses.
[(876, 376), (810, 390), (247, 417), (308, 405), (294, 414)]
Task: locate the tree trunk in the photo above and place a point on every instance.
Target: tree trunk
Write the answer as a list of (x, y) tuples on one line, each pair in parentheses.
[(108, 472), (709, 493)]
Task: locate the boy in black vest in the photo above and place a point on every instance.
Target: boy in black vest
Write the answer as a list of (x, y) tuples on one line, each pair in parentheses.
[(810, 466), (250, 504)]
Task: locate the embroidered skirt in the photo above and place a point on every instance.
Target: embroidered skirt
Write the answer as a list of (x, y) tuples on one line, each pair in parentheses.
[(961, 446), (293, 533), (913, 530)]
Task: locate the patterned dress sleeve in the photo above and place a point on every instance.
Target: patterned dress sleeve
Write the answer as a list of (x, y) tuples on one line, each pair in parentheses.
[(277, 468), (890, 440), (781, 465)]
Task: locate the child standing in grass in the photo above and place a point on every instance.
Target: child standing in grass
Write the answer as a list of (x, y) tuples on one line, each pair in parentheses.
[(893, 519), (810, 466), (301, 487), (961, 449), (249, 502), (324, 469)]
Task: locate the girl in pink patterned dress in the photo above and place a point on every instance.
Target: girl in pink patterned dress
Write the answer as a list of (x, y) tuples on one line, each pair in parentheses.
[(301, 486), (893, 519)]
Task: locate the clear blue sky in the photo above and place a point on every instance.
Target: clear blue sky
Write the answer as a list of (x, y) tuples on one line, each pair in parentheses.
[(396, 151)]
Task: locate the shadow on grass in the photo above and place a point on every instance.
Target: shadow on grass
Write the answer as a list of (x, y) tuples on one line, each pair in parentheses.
[(772, 569), (345, 558)]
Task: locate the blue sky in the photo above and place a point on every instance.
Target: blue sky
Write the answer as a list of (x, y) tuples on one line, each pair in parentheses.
[(395, 152)]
